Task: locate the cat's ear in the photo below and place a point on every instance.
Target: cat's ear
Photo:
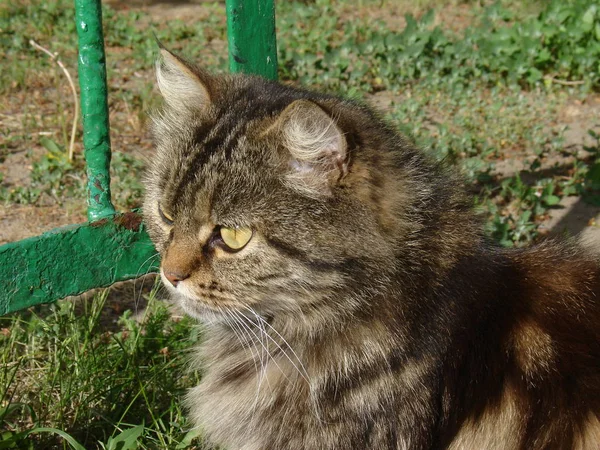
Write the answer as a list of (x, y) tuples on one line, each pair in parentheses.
[(316, 145), (183, 86)]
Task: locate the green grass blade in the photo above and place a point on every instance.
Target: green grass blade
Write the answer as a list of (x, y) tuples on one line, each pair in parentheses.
[(67, 437)]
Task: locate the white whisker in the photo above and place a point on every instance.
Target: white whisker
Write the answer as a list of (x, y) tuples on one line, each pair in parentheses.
[(283, 339), (264, 360), (262, 321), (241, 336), (264, 344), (137, 299)]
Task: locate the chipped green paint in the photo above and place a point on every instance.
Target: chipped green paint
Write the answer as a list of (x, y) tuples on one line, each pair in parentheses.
[(251, 37), (74, 259), (94, 107)]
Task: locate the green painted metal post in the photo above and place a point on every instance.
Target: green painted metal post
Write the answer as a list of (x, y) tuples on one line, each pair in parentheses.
[(251, 37), (94, 106)]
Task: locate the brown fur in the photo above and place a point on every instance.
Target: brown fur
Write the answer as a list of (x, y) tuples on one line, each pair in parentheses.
[(367, 310)]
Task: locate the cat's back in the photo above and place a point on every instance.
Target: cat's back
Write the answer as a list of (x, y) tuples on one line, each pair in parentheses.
[(548, 396), (557, 293)]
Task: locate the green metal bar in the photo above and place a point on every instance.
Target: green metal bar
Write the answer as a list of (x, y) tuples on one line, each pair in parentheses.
[(94, 106), (251, 37), (74, 259)]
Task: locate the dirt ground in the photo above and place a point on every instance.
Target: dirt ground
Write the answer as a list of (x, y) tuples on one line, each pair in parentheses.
[(22, 221)]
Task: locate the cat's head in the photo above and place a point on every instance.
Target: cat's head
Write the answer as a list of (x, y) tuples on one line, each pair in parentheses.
[(268, 197)]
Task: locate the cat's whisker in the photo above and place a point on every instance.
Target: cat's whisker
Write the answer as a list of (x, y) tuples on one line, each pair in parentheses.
[(261, 323), (138, 298), (263, 344), (135, 297), (261, 374), (264, 360), (261, 319), (239, 332), (262, 335), (305, 376), (150, 258), (265, 353), (230, 322)]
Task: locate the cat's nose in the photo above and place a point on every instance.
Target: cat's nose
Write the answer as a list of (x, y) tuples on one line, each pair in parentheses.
[(175, 277)]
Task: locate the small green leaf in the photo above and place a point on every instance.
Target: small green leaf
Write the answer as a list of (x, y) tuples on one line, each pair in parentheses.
[(534, 75), (593, 174), (428, 18), (50, 145), (188, 438), (12, 407), (551, 200), (9, 439), (126, 439), (587, 21)]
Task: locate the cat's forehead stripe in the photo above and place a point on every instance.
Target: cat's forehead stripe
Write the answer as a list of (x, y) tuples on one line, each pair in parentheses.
[(183, 176), (223, 136)]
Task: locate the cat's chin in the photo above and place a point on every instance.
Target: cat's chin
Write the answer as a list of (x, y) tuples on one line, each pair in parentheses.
[(193, 305), (209, 315), (194, 308)]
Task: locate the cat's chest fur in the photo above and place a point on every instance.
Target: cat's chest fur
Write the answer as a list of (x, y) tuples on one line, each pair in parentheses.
[(286, 401), (249, 392), (250, 401)]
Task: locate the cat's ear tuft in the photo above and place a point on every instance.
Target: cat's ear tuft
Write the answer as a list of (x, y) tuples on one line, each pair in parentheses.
[(183, 86), (318, 149)]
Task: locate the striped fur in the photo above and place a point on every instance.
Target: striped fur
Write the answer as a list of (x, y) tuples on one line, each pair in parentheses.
[(368, 311)]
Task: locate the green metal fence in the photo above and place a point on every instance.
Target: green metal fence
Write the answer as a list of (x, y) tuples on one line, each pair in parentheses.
[(112, 246)]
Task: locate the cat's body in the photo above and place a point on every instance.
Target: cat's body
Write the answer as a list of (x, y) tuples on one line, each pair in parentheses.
[(389, 320), (503, 356)]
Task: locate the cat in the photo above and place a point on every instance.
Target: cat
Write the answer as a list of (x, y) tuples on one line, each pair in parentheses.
[(349, 296)]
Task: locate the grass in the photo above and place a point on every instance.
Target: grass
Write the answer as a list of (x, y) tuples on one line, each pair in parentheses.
[(69, 366), (481, 85)]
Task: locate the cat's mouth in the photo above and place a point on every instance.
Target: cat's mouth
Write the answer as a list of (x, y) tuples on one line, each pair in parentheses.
[(205, 301), (225, 312)]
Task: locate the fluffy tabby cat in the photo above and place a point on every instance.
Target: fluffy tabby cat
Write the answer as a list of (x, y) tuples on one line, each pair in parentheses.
[(350, 298)]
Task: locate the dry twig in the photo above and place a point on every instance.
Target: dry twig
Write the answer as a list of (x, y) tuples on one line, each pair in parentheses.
[(564, 82), (54, 57)]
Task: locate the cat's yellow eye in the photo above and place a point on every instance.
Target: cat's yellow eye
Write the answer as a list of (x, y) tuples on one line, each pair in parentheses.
[(235, 238), (166, 218)]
